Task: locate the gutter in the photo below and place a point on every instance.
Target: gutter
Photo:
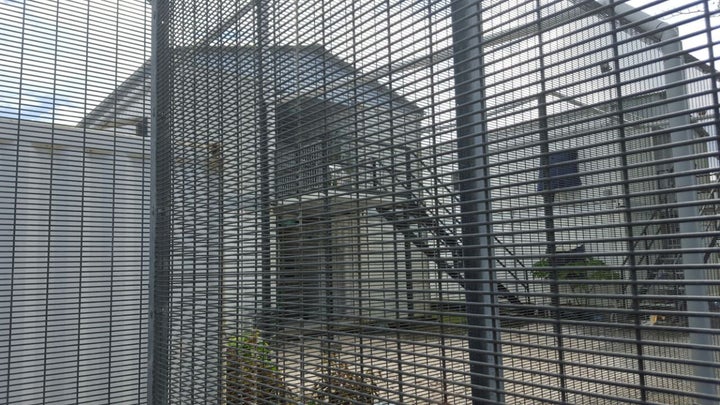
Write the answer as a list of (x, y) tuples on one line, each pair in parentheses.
[(680, 125)]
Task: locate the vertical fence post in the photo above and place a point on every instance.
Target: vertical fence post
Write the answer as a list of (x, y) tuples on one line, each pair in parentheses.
[(483, 334), (158, 298), (261, 35)]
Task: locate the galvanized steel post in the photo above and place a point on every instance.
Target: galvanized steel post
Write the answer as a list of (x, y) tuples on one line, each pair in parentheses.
[(159, 209), (483, 321)]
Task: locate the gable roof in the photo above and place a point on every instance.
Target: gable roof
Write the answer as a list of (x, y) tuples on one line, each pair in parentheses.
[(303, 71)]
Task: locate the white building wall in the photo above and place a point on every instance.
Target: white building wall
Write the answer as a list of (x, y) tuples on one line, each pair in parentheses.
[(73, 263), (581, 105)]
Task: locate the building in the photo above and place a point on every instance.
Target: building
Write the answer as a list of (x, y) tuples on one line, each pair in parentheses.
[(581, 174), (584, 162), (328, 144), (74, 226)]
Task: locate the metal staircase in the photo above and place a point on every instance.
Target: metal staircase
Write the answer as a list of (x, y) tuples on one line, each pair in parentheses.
[(711, 210), (412, 218)]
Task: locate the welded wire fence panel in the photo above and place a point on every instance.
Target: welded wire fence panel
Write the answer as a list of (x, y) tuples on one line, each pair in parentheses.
[(435, 202), (74, 199), (603, 179)]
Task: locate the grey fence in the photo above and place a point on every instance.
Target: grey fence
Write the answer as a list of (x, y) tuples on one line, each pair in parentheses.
[(359, 202), (436, 202), (74, 203)]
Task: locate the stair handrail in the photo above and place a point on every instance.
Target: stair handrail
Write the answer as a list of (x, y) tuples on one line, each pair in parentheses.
[(452, 195), (712, 225)]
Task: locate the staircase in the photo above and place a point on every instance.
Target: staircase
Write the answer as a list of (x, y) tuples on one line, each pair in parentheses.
[(412, 219), (711, 209), (664, 271)]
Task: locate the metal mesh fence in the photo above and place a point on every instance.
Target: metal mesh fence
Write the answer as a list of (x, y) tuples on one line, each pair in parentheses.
[(360, 202), (436, 202), (74, 199)]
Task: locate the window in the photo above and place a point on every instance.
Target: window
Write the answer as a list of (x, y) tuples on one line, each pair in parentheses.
[(563, 171)]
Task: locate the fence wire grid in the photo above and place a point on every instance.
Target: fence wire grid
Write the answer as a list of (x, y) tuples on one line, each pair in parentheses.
[(359, 202), (74, 203)]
